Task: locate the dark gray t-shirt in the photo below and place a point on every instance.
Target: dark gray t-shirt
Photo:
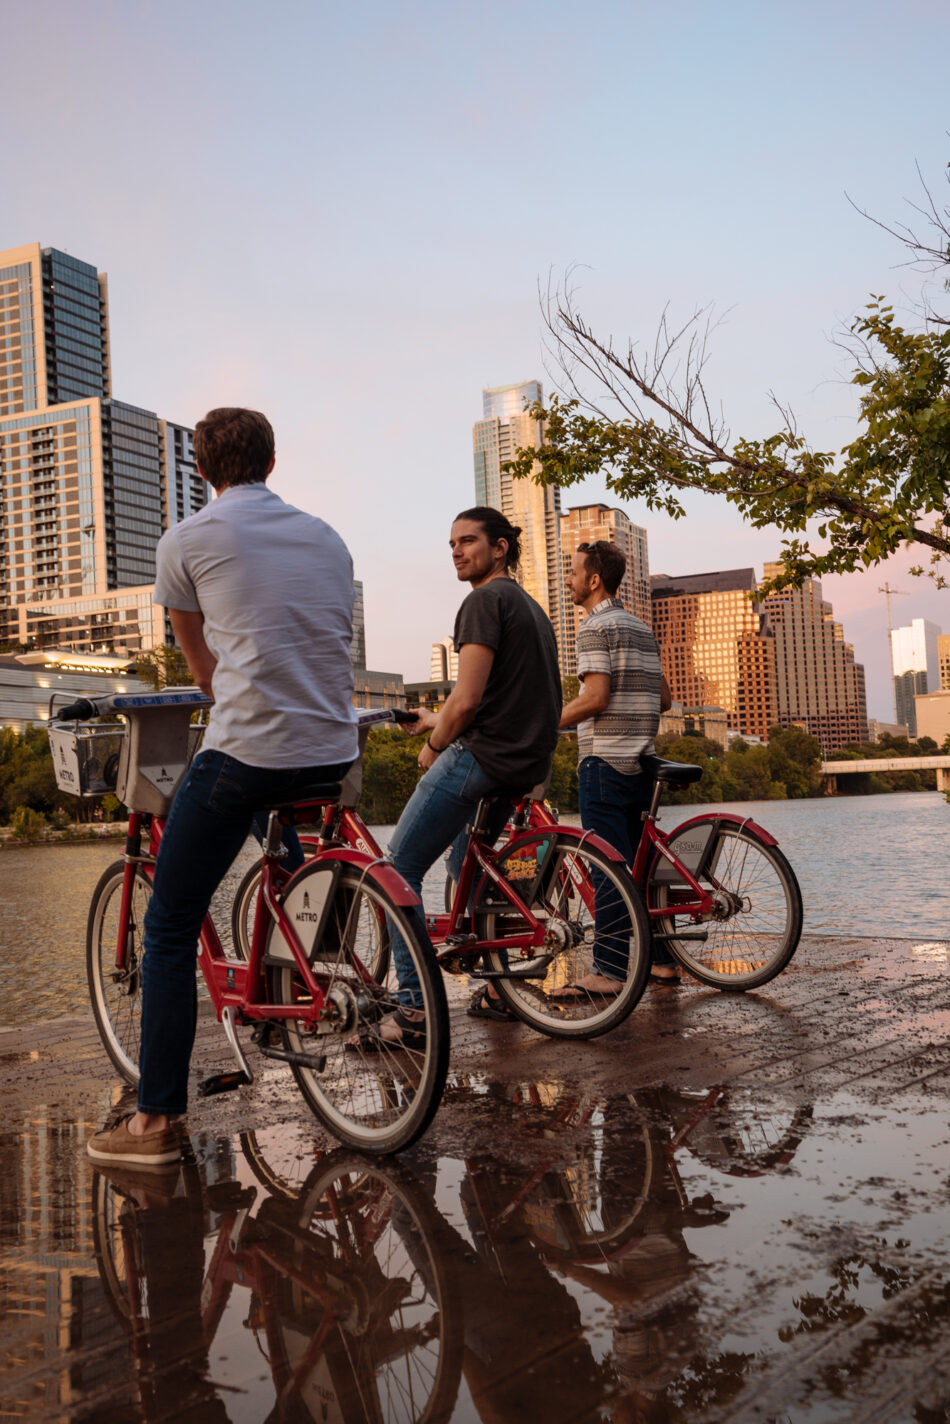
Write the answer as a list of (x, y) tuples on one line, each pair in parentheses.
[(513, 733)]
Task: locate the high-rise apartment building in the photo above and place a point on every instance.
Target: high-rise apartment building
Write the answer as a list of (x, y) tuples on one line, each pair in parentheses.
[(717, 646), (943, 660), (87, 483), (444, 662), (505, 428), (585, 524), (820, 686), (915, 666)]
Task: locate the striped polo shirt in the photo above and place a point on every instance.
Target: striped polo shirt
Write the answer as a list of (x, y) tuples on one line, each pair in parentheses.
[(613, 641)]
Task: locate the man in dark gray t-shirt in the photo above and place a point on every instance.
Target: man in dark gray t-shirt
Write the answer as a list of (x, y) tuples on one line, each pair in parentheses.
[(496, 732), (510, 734)]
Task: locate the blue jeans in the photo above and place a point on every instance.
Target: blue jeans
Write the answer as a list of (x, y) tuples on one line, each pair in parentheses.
[(207, 826), (435, 818), (612, 805)]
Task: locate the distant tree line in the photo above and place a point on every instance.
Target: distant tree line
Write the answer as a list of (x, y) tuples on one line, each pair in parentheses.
[(786, 768)]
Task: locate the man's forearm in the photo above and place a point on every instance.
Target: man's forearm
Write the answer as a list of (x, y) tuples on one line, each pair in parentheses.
[(452, 721), (189, 631), (592, 699)]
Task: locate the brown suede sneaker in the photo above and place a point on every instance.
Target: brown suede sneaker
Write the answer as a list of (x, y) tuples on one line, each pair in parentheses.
[(116, 1144)]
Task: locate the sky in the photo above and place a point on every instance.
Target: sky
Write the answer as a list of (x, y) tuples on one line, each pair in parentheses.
[(340, 215)]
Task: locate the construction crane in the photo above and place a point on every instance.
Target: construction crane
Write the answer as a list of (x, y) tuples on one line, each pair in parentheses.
[(890, 593)]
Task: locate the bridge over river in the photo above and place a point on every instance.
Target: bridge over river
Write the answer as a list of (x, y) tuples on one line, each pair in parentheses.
[(831, 770)]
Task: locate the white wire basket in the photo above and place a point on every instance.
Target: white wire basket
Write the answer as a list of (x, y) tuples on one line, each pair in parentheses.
[(86, 757)]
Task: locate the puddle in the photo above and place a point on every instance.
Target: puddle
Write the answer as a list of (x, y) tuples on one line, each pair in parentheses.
[(654, 1256)]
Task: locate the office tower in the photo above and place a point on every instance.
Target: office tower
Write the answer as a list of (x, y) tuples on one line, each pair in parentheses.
[(915, 666), (943, 660), (444, 662), (820, 686), (503, 430), (717, 646), (87, 483), (583, 525), (358, 644)]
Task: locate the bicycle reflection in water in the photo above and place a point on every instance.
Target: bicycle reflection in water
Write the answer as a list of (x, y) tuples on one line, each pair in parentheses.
[(366, 1305), (345, 1292)]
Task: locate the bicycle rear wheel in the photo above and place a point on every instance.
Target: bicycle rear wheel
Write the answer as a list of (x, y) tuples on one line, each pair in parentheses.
[(755, 927), (117, 994), (371, 1095), (560, 876)]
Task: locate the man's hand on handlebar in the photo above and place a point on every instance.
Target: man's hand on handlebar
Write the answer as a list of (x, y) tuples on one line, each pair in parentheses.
[(423, 721)]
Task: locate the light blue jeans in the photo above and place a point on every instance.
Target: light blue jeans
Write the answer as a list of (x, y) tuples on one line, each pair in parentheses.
[(435, 818)]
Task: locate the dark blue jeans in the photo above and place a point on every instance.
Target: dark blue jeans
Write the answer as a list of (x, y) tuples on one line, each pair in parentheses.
[(612, 805), (434, 818), (207, 826)]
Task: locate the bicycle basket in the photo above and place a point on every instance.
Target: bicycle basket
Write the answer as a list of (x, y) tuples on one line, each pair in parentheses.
[(86, 758)]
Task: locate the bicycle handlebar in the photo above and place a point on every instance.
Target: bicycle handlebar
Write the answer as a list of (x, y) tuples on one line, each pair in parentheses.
[(85, 708)]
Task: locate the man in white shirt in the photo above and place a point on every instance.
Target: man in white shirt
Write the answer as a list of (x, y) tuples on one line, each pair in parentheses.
[(260, 597)]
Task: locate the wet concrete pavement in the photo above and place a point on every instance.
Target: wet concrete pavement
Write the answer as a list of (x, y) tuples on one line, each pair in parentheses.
[(732, 1208)]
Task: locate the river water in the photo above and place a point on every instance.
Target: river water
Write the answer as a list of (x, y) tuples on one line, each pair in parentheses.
[(867, 865)]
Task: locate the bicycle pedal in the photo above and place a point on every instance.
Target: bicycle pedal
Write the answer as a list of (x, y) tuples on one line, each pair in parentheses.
[(223, 1083), (459, 941)]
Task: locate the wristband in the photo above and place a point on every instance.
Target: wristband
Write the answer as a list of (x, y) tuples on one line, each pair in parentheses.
[(438, 750)]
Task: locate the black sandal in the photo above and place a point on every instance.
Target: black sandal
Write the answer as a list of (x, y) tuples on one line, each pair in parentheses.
[(412, 1035), (483, 1006)]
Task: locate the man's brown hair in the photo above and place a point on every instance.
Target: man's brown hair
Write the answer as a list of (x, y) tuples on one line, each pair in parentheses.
[(234, 446), (606, 560)]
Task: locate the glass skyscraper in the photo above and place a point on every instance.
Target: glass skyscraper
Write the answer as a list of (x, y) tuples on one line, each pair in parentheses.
[(87, 483), (505, 428)]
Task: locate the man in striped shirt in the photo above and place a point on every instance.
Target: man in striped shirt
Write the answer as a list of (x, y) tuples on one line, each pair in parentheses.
[(617, 715)]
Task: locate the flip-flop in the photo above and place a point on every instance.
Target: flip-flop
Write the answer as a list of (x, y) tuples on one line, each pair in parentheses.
[(483, 1006), (669, 981), (576, 994), (413, 1035)]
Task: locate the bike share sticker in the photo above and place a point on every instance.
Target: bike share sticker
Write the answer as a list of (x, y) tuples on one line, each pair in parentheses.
[(307, 906), (691, 848), (522, 866)]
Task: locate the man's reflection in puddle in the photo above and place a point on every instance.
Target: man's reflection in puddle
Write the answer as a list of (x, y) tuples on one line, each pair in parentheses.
[(151, 1234)]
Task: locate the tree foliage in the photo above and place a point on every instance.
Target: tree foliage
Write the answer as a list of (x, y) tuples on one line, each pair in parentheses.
[(644, 418), (164, 667)]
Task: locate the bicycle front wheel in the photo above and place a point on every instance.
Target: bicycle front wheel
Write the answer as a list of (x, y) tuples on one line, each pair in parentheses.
[(116, 994), (756, 922), (594, 917), (373, 1095)]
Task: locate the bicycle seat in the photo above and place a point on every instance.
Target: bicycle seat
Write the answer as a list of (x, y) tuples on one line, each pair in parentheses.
[(320, 792), (677, 773)]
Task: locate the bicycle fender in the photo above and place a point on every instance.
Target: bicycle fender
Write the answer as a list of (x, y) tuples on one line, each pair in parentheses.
[(752, 827), (382, 872), (586, 838)]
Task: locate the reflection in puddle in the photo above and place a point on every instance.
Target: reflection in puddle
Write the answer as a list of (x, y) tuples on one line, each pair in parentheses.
[(662, 1255)]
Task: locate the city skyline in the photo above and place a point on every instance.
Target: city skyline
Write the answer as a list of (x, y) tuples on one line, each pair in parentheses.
[(350, 267)]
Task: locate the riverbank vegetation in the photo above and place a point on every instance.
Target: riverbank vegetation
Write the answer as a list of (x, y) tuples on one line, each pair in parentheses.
[(31, 805)]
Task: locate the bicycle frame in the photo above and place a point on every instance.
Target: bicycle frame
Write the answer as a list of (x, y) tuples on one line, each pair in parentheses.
[(451, 933), (236, 984), (654, 844)]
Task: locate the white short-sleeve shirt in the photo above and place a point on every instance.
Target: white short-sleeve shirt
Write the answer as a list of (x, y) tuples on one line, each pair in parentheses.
[(275, 586)]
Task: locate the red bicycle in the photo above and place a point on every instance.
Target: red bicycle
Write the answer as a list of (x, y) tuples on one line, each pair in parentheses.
[(521, 916), (718, 891), (316, 973)]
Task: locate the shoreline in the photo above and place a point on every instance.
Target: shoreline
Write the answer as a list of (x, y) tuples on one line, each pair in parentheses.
[(77, 834)]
